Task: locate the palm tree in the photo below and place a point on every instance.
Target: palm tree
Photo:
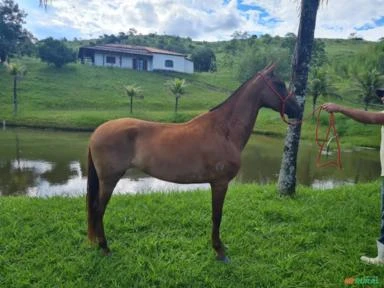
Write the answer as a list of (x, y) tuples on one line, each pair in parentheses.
[(367, 83), (300, 67), (177, 87), (319, 85), (133, 91), (17, 71)]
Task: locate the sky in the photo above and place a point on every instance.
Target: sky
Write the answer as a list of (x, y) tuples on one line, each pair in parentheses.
[(201, 20)]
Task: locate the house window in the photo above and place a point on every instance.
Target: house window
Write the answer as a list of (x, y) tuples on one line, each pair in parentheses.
[(110, 59), (169, 63)]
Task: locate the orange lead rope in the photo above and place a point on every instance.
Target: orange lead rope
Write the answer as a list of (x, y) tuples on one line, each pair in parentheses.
[(335, 163)]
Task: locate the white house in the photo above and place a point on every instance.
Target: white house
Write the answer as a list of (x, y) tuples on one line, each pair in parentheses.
[(135, 57)]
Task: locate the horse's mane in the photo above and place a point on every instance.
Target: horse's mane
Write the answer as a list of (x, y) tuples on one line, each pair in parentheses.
[(233, 94)]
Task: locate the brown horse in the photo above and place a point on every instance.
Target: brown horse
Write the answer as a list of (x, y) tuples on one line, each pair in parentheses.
[(204, 150)]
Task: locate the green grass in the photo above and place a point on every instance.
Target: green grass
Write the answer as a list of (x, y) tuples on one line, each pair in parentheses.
[(337, 48), (82, 97), (162, 240)]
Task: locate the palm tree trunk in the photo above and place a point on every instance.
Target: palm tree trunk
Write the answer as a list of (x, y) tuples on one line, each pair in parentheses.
[(177, 103), (314, 100), (300, 67), (14, 95)]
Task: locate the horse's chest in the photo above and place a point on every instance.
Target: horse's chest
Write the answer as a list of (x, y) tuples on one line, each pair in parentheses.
[(225, 168)]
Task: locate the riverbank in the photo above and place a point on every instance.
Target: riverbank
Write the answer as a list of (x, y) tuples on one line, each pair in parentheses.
[(162, 240)]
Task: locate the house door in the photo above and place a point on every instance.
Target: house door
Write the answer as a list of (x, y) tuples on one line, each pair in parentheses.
[(140, 64)]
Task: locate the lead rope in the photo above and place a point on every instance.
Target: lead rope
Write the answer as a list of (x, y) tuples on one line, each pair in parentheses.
[(331, 126)]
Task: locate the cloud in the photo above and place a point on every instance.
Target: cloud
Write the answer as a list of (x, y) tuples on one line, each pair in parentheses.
[(202, 20)]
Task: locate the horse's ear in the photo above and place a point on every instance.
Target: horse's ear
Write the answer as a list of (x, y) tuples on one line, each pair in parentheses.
[(269, 69)]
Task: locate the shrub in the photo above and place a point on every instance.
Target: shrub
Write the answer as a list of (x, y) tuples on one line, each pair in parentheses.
[(56, 52)]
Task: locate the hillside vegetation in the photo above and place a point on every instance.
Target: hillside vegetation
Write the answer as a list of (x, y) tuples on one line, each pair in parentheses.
[(81, 97)]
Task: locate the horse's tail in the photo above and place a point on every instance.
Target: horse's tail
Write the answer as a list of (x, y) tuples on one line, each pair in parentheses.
[(92, 197)]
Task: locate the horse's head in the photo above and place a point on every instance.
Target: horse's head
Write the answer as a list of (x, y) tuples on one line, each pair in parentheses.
[(275, 94)]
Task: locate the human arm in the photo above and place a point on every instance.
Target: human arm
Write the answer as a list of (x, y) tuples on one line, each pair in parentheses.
[(362, 116)]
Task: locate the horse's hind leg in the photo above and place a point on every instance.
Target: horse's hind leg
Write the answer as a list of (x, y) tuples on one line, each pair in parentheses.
[(218, 195), (106, 189)]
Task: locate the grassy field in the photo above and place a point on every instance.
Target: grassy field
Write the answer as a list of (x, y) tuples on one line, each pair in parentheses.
[(82, 97), (162, 240)]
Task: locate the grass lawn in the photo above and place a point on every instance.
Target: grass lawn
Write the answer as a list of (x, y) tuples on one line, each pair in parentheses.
[(162, 240)]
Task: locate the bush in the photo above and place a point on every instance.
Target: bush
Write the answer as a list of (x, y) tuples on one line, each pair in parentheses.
[(56, 52), (204, 60), (255, 59)]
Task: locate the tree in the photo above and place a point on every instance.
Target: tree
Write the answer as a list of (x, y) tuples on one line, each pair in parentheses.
[(133, 91), (255, 58), (27, 45), (11, 31), (204, 59), (266, 38), (367, 83), (319, 55), (289, 41), (300, 67), (240, 35), (17, 71), (56, 52), (319, 85), (177, 87)]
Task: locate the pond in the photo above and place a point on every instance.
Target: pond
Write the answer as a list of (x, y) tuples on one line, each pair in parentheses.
[(47, 163)]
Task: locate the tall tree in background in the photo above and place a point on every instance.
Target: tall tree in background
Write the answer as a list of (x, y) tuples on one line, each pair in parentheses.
[(55, 52), (11, 30), (204, 59), (300, 68)]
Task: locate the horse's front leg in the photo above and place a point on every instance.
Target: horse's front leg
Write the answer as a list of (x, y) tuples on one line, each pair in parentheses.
[(219, 190)]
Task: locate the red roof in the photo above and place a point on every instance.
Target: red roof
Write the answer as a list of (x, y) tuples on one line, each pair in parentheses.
[(130, 49)]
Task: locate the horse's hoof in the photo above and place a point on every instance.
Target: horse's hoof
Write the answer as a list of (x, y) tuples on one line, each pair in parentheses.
[(106, 252), (223, 259)]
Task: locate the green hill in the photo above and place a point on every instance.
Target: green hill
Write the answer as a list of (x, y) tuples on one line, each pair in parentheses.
[(81, 97), (84, 96)]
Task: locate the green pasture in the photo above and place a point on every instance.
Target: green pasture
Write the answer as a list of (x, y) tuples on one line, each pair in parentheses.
[(82, 97), (163, 240)]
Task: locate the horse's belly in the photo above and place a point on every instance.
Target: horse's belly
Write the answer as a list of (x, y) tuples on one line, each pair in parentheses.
[(189, 170), (186, 158)]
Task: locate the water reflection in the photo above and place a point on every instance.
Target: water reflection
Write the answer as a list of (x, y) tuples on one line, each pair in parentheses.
[(48, 163), (76, 184), (38, 167), (329, 184)]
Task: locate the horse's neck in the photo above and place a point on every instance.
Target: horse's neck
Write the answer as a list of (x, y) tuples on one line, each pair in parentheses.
[(239, 114)]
